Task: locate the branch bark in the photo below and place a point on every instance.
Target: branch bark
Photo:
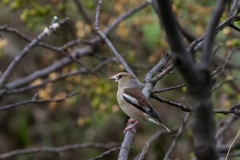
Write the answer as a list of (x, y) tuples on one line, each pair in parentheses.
[(197, 79)]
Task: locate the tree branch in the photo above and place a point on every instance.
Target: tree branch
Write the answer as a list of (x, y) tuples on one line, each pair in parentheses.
[(177, 136), (37, 101), (57, 150), (62, 76), (27, 48), (82, 12), (172, 103), (208, 44), (106, 153), (168, 89), (144, 151), (104, 37), (198, 82)]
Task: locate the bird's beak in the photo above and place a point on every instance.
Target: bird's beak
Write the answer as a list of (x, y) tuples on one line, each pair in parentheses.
[(114, 78)]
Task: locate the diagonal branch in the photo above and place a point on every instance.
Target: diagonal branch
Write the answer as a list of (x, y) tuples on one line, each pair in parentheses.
[(126, 145), (106, 153), (104, 37), (177, 136), (208, 43), (82, 12), (62, 76), (24, 52)]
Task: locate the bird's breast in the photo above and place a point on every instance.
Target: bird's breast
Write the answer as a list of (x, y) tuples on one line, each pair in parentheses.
[(129, 109)]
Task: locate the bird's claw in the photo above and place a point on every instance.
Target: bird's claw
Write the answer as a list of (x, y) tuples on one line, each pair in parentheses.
[(131, 127)]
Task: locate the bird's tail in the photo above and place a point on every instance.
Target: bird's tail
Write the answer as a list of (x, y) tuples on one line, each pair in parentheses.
[(158, 122), (165, 126)]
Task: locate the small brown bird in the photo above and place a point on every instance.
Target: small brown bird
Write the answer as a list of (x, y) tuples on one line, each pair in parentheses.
[(133, 102)]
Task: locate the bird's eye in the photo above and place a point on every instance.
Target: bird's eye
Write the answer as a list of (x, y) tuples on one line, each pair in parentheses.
[(120, 76)]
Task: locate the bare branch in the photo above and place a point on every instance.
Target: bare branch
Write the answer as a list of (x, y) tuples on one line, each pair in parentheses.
[(172, 103), (82, 12), (223, 128), (104, 37), (225, 147), (124, 16), (37, 101), (234, 27), (144, 151), (234, 110), (42, 44), (163, 73), (57, 150), (62, 76), (149, 83), (168, 89), (156, 135), (208, 44), (125, 148), (27, 48), (105, 153), (185, 32), (198, 82), (234, 6), (222, 83), (44, 72), (177, 136), (78, 62)]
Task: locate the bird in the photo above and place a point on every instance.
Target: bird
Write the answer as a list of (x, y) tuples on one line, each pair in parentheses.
[(133, 102)]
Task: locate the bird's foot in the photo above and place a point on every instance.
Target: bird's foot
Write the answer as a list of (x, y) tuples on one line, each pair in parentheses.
[(131, 127), (131, 121)]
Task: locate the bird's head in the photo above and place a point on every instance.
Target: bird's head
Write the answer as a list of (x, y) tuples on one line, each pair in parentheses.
[(124, 79)]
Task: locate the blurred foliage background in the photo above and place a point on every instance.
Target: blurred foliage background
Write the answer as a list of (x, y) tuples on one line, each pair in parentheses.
[(94, 115)]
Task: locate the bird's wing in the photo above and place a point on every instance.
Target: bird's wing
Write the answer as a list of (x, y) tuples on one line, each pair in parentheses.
[(135, 97)]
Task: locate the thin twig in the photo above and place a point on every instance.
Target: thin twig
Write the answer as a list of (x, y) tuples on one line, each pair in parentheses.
[(62, 76), (42, 44), (168, 89), (207, 48), (104, 37), (163, 73), (82, 12), (224, 126), (156, 135), (177, 136), (10, 106), (57, 150), (47, 31), (106, 153), (144, 151), (222, 83), (172, 103), (232, 145)]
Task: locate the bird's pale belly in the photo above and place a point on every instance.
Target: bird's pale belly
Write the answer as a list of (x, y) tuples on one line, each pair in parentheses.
[(133, 112)]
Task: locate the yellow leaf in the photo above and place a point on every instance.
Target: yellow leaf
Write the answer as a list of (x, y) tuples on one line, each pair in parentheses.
[(60, 95), (36, 82), (227, 103), (3, 43), (43, 94), (52, 106), (184, 89), (79, 25), (80, 121), (52, 76), (102, 106)]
